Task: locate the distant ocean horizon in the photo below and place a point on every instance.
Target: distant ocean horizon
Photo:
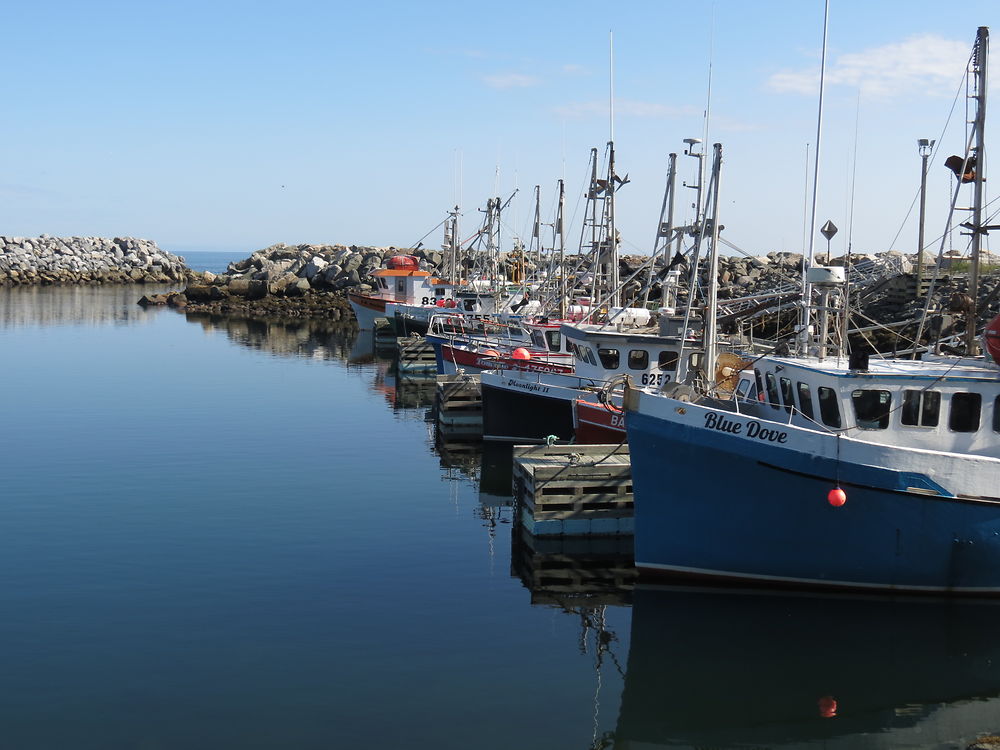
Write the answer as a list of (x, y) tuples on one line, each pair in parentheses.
[(215, 261)]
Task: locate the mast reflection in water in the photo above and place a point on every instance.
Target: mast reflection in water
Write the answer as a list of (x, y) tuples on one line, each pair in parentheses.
[(710, 668)]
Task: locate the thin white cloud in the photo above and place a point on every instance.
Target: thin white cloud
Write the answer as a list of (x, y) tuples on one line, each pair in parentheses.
[(510, 81), (926, 63), (625, 108), (572, 69)]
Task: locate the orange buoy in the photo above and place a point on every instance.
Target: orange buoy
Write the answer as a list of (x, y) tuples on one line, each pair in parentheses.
[(491, 353), (836, 497), (520, 353)]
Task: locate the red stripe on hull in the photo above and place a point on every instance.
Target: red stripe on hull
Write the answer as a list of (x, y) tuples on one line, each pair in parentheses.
[(596, 425), (369, 303), (466, 359)]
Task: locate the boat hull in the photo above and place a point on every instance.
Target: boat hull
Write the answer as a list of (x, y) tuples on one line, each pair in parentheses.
[(366, 309), (729, 505), (598, 425), (525, 414)]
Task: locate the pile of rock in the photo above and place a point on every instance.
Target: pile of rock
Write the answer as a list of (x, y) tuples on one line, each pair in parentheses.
[(291, 271), (297, 281), (87, 260)]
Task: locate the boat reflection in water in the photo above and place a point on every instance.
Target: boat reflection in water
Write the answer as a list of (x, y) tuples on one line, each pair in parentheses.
[(282, 337), (710, 668)]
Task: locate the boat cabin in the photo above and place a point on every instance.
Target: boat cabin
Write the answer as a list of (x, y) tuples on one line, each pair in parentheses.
[(650, 358), (940, 404)]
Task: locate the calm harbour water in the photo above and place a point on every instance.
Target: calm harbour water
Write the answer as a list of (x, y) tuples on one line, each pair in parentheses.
[(229, 534)]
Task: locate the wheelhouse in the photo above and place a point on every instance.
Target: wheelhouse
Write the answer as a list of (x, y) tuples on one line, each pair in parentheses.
[(949, 407)]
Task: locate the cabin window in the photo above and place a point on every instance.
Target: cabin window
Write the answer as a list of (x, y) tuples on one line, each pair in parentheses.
[(668, 361), (555, 340), (400, 286), (537, 339), (610, 358), (996, 414), (805, 399), (772, 391), (920, 408), (587, 355), (964, 413), (760, 382), (871, 408), (638, 359), (829, 411), (694, 361), (787, 395), (742, 387)]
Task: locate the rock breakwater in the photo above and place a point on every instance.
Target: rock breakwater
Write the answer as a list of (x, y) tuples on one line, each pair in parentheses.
[(293, 281), (87, 260)]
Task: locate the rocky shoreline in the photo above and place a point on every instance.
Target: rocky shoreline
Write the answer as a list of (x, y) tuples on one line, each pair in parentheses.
[(286, 281), (87, 260)]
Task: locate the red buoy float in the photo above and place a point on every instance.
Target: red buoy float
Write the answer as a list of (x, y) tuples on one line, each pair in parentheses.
[(991, 339), (451, 303), (836, 497), (440, 303), (520, 353), (491, 353), (827, 706)]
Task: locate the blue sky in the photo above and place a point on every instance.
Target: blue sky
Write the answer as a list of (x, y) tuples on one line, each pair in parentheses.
[(224, 125)]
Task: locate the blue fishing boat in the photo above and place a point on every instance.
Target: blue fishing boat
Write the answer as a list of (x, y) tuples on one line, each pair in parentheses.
[(830, 470)]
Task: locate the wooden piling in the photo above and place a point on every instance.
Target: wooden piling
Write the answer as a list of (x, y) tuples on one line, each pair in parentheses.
[(574, 489), (459, 406)]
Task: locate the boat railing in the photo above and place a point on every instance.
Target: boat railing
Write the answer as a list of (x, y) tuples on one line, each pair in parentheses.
[(790, 413)]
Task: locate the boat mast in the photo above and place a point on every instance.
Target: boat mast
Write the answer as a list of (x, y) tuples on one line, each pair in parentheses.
[(590, 220), (978, 230), (612, 240), (536, 233), (665, 228), (804, 319), (713, 270), (453, 245), (615, 300), (562, 251)]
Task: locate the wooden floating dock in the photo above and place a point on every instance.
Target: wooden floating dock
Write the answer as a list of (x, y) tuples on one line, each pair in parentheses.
[(459, 403), (415, 354), (574, 490)]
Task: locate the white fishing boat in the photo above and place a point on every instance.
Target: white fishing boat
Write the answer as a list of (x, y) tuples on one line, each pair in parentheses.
[(402, 281)]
